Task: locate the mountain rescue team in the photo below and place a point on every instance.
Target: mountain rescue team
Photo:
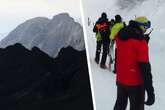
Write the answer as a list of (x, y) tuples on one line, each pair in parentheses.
[(132, 65)]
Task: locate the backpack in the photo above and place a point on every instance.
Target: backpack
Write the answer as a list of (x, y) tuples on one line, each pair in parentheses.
[(102, 26)]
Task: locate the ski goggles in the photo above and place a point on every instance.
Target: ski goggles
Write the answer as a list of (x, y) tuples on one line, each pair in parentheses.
[(145, 25)]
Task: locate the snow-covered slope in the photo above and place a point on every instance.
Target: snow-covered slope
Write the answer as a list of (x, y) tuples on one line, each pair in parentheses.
[(103, 80), (50, 35), (2, 35)]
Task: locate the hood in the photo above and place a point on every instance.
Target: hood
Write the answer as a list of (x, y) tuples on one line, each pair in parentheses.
[(100, 20), (131, 31)]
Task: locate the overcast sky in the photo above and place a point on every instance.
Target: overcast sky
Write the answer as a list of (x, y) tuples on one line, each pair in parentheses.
[(14, 12)]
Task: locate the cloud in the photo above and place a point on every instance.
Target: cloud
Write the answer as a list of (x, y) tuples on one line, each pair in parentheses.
[(14, 12)]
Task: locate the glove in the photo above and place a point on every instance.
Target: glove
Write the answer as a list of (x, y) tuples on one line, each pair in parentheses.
[(148, 83), (150, 96)]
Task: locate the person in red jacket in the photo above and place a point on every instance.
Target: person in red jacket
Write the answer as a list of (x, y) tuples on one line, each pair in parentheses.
[(133, 69)]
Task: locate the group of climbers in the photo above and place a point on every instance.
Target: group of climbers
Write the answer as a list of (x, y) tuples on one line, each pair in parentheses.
[(105, 34), (132, 65)]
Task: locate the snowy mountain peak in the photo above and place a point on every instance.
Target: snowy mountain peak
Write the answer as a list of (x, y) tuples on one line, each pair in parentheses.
[(61, 15), (38, 20), (50, 35)]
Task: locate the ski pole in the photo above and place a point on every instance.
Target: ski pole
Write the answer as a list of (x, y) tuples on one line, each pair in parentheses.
[(150, 31), (147, 36)]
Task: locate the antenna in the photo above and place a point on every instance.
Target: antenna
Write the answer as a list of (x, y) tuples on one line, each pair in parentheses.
[(135, 17)]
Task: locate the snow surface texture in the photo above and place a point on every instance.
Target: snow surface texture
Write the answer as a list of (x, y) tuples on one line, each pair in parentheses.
[(104, 80), (50, 35)]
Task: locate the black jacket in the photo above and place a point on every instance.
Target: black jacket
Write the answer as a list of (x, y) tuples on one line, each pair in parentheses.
[(104, 33), (99, 21)]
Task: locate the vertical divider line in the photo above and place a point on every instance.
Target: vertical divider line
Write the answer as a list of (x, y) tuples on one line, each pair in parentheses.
[(87, 53)]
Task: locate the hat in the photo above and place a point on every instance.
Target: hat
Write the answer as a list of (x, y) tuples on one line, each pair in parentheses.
[(143, 23), (104, 15), (118, 18), (112, 20)]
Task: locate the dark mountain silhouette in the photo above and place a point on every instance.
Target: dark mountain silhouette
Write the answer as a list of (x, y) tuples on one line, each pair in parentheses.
[(32, 80)]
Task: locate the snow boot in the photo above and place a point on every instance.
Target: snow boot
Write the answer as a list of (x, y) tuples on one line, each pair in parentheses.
[(103, 66), (114, 71), (97, 60)]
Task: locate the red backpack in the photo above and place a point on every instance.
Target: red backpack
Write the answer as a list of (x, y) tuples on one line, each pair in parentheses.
[(102, 26)]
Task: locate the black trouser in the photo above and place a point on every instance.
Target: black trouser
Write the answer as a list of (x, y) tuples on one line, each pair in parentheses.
[(135, 94), (105, 45), (98, 50), (105, 51)]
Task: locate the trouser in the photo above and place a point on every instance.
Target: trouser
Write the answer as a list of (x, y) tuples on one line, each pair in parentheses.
[(105, 52), (105, 45), (115, 60), (112, 51), (135, 94), (98, 50)]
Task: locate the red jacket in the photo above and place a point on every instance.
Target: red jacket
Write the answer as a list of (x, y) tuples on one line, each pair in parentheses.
[(130, 51)]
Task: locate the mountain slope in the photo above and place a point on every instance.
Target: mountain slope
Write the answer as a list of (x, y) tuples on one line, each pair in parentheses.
[(30, 79), (104, 81), (43, 66)]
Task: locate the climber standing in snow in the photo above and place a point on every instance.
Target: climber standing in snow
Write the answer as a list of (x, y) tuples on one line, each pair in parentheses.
[(118, 25), (133, 69), (101, 28)]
